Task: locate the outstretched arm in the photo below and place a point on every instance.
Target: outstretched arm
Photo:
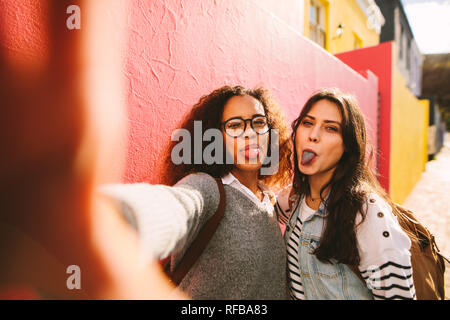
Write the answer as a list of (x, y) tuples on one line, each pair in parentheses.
[(167, 218)]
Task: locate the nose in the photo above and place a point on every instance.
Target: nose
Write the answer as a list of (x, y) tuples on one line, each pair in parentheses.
[(248, 132), (314, 135)]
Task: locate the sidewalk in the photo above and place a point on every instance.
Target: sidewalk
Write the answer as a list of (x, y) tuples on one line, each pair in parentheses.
[(430, 202)]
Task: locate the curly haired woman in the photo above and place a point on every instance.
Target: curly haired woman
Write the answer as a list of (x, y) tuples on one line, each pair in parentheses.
[(246, 257)]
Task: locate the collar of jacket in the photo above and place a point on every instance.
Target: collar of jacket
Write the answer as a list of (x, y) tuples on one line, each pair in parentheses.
[(295, 200)]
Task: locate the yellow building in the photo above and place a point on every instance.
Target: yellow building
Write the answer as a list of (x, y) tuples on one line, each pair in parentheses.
[(342, 25), (409, 131)]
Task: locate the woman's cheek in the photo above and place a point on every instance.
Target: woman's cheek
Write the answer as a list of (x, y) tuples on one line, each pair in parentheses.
[(231, 148), (264, 142), (336, 151)]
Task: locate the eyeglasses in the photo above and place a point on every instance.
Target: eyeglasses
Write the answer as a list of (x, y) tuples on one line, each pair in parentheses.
[(236, 126)]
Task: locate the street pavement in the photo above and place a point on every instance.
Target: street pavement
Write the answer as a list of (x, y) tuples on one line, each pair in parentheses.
[(430, 202)]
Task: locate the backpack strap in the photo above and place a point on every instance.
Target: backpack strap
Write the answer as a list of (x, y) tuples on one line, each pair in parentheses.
[(199, 244)]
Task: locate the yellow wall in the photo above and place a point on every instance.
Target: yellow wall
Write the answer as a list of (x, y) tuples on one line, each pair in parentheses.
[(426, 119), (348, 13), (408, 139)]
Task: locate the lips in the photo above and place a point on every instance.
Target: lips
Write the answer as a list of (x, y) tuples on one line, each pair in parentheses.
[(251, 151), (308, 156)]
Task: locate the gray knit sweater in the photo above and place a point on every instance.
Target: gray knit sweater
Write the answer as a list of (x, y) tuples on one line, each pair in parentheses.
[(246, 257)]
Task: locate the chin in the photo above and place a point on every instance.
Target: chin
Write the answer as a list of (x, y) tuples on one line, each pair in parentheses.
[(249, 167), (307, 170)]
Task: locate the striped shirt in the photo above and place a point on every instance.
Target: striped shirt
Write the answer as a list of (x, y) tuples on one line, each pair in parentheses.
[(295, 283), (385, 264)]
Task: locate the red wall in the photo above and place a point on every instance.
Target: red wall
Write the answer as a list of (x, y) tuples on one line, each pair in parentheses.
[(24, 34), (179, 51), (379, 60)]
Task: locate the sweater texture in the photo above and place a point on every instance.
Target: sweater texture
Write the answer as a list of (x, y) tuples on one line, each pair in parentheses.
[(245, 258)]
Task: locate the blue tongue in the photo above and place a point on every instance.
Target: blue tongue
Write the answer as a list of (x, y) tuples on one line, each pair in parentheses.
[(307, 157)]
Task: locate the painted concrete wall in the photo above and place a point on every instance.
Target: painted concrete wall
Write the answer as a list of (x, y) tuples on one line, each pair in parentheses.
[(379, 60), (409, 58), (409, 139), (350, 15), (179, 51), (403, 121), (426, 104), (24, 33)]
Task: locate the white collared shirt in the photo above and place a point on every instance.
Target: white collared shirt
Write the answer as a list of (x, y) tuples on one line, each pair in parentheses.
[(231, 180)]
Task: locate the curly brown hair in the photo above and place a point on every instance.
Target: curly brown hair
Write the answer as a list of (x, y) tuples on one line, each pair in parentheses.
[(209, 111)]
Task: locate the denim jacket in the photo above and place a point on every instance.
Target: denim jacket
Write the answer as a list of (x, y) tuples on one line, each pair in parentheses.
[(323, 280)]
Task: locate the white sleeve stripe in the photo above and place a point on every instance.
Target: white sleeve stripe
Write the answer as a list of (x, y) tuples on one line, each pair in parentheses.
[(290, 245), (392, 274), (387, 264), (294, 263), (296, 282), (294, 233), (291, 255), (399, 297), (392, 286), (294, 276)]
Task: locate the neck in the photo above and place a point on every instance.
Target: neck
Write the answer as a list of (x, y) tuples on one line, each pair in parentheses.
[(247, 178), (317, 182)]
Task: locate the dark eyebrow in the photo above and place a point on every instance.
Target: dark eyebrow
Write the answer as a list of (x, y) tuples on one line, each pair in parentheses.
[(326, 121), (258, 115), (331, 121), (253, 116)]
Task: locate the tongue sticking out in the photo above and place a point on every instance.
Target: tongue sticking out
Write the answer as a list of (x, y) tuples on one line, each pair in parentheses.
[(252, 153), (307, 157)]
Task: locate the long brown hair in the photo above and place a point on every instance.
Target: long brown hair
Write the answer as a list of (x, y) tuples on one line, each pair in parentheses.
[(209, 111), (350, 183)]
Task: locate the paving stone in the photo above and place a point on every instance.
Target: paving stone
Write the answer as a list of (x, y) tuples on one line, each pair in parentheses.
[(430, 202)]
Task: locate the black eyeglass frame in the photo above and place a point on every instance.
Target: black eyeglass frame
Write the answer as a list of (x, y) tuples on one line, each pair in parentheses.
[(245, 125)]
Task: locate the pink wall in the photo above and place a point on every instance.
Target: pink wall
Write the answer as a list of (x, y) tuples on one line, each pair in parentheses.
[(379, 60), (24, 34), (179, 51)]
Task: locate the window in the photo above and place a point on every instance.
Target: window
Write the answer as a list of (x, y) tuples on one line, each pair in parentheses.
[(313, 14), (317, 22)]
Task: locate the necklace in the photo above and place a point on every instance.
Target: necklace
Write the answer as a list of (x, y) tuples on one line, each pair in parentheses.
[(312, 203)]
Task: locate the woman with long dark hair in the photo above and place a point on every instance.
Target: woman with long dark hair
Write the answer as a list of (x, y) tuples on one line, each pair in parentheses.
[(246, 257), (342, 233)]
